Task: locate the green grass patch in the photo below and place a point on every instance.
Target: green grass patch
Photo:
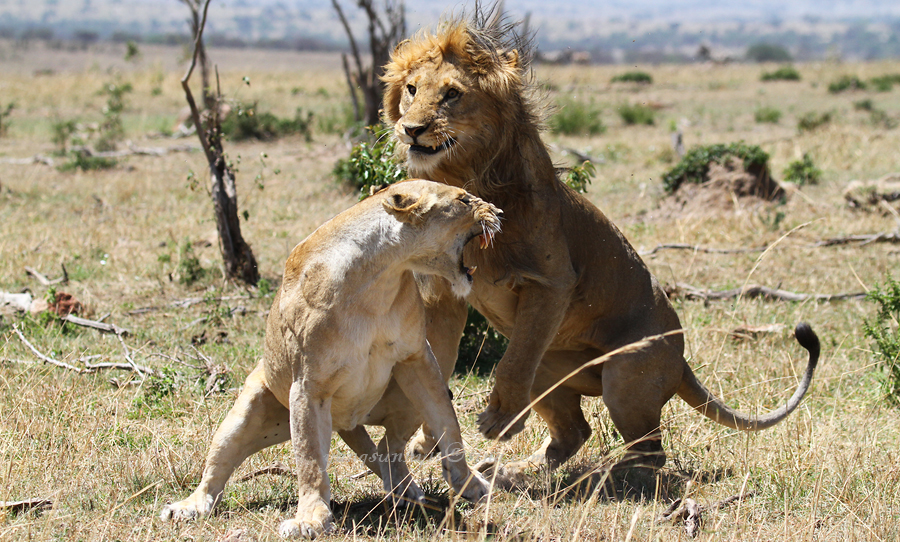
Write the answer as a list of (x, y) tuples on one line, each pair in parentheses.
[(884, 331), (247, 122), (637, 114), (633, 77), (784, 73), (813, 120), (767, 114), (845, 83), (573, 118)]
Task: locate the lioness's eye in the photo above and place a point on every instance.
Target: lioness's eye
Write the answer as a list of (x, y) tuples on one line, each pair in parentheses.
[(411, 89), (452, 93)]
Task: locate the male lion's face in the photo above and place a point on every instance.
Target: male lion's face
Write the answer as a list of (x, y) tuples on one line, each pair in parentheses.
[(438, 120)]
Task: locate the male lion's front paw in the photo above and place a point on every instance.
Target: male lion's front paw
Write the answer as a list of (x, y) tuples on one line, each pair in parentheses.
[(494, 421), (190, 508), (308, 523)]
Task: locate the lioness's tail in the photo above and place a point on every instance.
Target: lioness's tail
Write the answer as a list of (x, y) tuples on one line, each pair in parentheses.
[(696, 395)]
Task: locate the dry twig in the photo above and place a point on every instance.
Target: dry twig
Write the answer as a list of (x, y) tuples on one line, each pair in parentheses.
[(27, 504), (277, 468), (99, 326), (43, 278), (753, 290)]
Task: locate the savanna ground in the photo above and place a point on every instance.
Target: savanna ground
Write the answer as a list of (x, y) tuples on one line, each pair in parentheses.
[(109, 455)]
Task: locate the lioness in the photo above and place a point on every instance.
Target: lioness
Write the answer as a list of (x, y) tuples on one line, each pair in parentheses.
[(347, 320), (563, 283)]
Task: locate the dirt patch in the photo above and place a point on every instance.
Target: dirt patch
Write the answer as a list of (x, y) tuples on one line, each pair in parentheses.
[(728, 187)]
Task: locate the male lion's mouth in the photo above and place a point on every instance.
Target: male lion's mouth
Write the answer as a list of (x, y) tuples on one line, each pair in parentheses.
[(449, 142), (485, 240)]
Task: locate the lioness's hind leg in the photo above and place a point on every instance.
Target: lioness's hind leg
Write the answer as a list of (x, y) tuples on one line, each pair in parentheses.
[(257, 420)]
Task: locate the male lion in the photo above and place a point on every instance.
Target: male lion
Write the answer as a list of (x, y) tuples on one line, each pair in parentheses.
[(563, 283), (347, 320)]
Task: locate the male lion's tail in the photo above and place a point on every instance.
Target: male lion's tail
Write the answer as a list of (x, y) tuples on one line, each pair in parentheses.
[(696, 395)]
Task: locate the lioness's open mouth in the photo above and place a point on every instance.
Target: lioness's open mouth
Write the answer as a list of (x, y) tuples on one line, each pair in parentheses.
[(433, 150)]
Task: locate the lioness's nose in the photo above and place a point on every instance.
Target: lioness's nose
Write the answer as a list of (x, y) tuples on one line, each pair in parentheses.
[(415, 130)]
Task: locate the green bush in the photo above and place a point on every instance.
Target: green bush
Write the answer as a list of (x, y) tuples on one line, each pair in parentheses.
[(633, 77), (694, 167), (636, 114), (784, 73), (846, 82), (767, 52), (111, 129), (246, 122), (812, 120), (577, 118), (371, 164), (864, 105), (578, 177), (4, 118), (767, 114), (80, 159), (884, 331), (885, 83), (481, 346), (189, 268), (802, 172)]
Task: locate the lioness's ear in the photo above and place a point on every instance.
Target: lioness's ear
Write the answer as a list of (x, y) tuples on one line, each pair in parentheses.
[(406, 207)]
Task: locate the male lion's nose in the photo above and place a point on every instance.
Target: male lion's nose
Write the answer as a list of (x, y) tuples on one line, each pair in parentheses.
[(415, 130)]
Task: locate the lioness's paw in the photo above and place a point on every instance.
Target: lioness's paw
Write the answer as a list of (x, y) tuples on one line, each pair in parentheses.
[(474, 488), (308, 524), (423, 446), (493, 422), (190, 508)]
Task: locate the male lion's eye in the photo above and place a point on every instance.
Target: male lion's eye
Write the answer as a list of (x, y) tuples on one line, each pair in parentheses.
[(452, 93), (411, 89)]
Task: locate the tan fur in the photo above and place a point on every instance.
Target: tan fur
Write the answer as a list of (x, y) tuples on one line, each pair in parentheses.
[(348, 323), (562, 283)]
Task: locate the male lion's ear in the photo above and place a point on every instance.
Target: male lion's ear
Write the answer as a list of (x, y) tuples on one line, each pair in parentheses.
[(406, 207), (511, 57)]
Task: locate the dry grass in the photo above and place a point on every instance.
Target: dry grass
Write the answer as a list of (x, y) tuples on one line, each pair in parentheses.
[(109, 459)]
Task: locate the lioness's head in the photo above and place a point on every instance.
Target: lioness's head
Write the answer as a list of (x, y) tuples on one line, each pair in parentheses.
[(441, 220), (452, 95)]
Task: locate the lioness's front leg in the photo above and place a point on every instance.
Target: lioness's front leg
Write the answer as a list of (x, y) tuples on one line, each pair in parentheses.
[(539, 313), (421, 380), (311, 439), (257, 420)]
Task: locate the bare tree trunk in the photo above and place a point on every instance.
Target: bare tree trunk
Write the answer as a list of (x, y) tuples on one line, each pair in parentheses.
[(383, 36), (236, 254)]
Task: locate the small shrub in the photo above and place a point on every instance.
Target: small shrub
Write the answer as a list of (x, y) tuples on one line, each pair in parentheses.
[(802, 172), (63, 131), (767, 114), (4, 118), (812, 120), (885, 83), (189, 268), (880, 119), (846, 82), (371, 165), (245, 122), (884, 331), (694, 167), (577, 118), (768, 52), (83, 160), (636, 114), (784, 73), (864, 105), (579, 177), (481, 346), (111, 129), (633, 77)]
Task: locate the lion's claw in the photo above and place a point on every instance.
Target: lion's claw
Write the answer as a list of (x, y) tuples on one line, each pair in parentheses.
[(498, 425)]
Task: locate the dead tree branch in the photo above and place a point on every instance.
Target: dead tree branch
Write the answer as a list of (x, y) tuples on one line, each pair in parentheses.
[(239, 261), (43, 278), (277, 468), (697, 248), (99, 326), (750, 291), (44, 358), (27, 504), (862, 240), (384, 31)]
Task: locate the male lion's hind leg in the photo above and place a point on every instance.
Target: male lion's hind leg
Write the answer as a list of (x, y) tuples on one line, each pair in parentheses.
[(387, 461), (257, 420)]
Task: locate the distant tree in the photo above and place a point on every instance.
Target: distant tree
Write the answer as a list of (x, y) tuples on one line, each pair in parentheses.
[(239, 261), (386, 27), (768, 52)]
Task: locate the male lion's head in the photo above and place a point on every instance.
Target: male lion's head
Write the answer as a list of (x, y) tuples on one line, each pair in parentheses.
[(454, 96)]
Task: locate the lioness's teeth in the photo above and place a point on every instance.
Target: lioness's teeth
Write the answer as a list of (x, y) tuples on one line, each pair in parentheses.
[(482, 241), (471, 270)]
